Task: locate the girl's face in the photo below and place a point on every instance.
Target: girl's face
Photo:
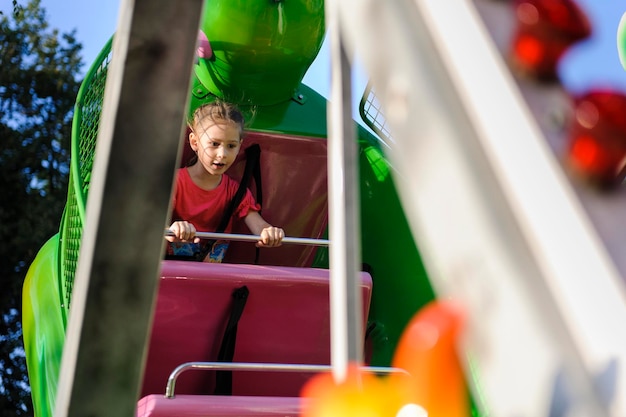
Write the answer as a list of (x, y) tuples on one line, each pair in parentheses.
[(216, 144)]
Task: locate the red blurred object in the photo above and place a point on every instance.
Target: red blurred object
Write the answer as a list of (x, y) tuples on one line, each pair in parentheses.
[(597, 142), (545, 29)]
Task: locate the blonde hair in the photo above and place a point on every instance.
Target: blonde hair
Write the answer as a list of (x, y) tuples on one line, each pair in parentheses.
[(218, 111)]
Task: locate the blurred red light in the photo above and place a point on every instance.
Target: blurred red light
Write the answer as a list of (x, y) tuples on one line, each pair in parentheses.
[(530, 50), (597, 145), (586, 152), (545, 30)]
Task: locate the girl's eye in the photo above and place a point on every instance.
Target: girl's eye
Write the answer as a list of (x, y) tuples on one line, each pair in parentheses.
[(232, 146), (215, 144)]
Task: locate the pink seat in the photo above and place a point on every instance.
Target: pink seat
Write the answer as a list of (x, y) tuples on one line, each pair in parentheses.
[(286, 320), (206, 406)]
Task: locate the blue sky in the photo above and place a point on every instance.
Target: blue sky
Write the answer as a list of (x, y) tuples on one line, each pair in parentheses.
[(595, 61), (591, 63)]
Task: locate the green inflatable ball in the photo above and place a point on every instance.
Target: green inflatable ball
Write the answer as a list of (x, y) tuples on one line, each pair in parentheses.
[(621, 41)]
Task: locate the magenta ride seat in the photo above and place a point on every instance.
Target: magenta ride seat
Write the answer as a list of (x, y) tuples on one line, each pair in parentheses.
[(222, 406), (286, 320)]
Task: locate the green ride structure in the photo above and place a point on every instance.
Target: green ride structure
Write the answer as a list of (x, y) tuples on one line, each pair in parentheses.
[(259, 66)]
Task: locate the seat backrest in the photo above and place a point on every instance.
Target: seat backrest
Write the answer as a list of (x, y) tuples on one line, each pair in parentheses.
[(294, 191), (218, 406), (286, 320)]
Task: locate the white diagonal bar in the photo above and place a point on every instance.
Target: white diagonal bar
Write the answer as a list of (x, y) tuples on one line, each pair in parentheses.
[(497, 221)]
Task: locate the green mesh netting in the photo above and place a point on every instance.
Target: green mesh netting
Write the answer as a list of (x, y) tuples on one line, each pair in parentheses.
[(84, 134), (372, 115)]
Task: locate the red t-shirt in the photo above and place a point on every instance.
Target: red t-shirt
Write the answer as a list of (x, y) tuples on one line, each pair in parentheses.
[(205, 208)]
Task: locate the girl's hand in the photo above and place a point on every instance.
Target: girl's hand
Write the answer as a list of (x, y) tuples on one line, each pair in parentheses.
[(183, 232), (271, 237)]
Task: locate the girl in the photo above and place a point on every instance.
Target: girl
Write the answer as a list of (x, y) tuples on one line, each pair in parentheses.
[(204, 190)]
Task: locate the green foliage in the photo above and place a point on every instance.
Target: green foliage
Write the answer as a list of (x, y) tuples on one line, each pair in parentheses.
[(38, 87)]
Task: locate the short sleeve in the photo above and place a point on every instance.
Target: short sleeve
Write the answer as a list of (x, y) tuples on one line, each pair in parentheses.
[(247, 203)]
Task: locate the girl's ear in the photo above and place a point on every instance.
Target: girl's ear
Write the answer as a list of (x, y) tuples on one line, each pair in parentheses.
[(193, 141)]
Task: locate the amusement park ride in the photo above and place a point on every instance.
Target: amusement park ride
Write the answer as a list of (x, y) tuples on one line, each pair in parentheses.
[(475, 259)]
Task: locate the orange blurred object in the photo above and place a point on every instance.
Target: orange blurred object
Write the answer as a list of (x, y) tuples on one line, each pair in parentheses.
[(436, 384), (428, 350), (362, 394)]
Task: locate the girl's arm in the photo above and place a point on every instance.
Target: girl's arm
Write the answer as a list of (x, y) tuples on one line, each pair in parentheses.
[(270, 236)]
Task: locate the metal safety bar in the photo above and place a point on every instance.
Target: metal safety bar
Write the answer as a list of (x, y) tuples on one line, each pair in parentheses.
[(256, 238), (256, 367)]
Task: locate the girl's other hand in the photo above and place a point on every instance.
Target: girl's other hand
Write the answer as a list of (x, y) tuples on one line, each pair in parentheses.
[(271, 237), (183, 232)]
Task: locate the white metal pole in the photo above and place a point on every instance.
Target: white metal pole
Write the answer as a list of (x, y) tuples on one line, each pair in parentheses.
[(345, 250), (255, 238)]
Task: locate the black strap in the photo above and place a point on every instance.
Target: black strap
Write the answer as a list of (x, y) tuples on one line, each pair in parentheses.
[(253, 156), (257, 175), (259, 191), (224, 379)]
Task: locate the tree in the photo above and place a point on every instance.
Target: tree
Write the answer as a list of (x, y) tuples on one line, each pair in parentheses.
[(16, 8), (38, 88)]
